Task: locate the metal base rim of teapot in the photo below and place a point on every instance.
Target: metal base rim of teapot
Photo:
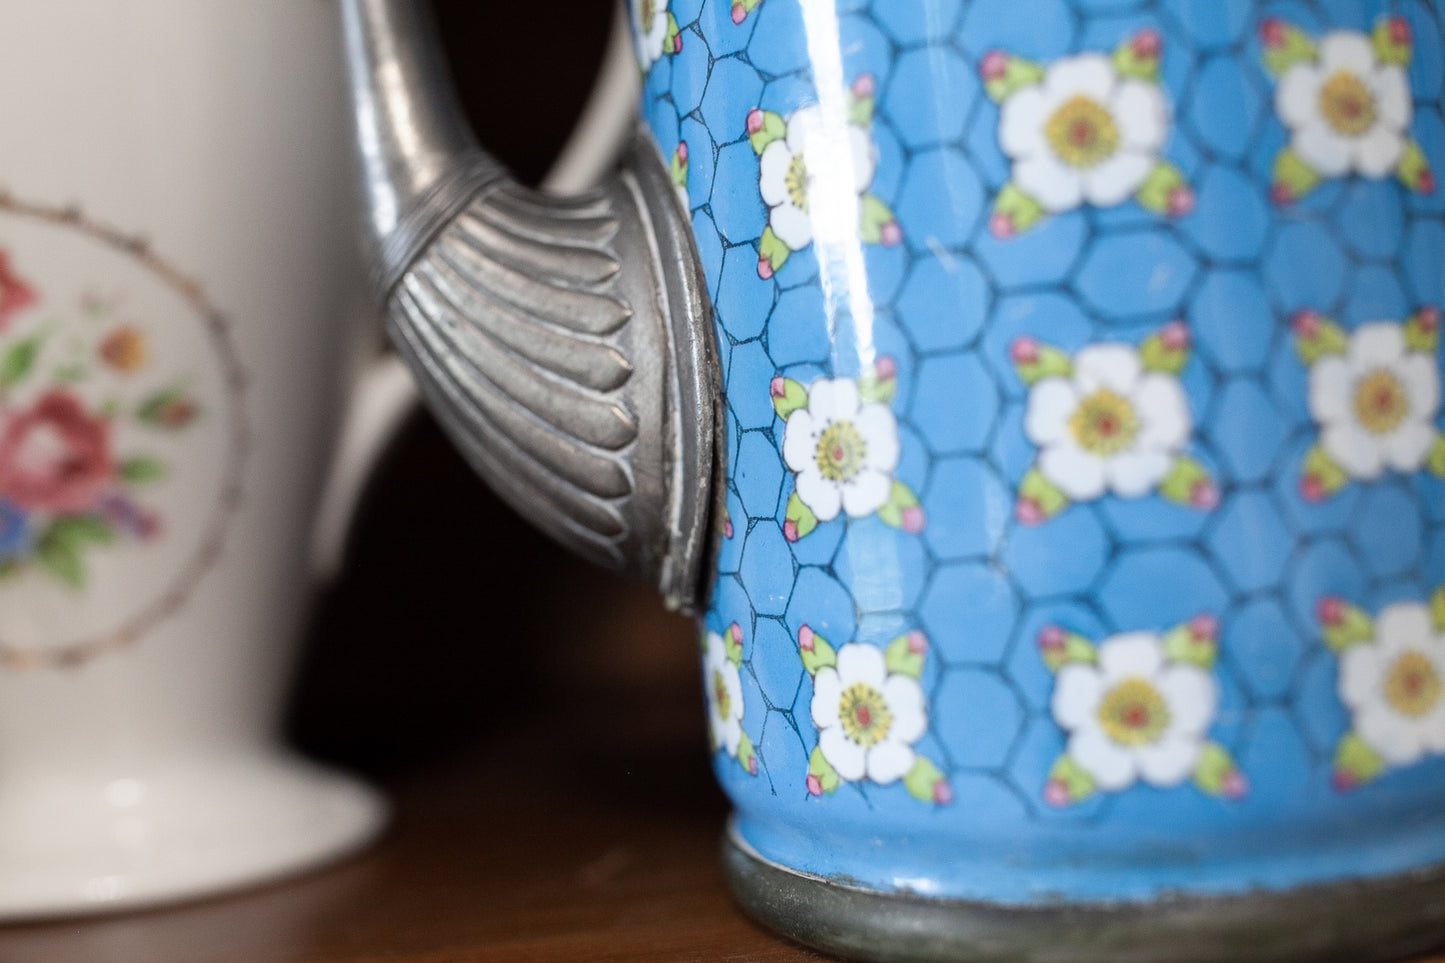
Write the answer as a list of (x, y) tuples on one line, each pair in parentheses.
[(1354, 921)]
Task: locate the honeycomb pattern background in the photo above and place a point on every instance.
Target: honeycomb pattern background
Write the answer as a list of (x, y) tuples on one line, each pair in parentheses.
[(947, 303)]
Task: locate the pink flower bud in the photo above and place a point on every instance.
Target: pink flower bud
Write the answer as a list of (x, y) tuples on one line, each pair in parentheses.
[(890, 234), (993, 65), (677, 43), (1181, 201), (752, 765), (1425, 183), (778, 387), (815, 787), (913, 519), (942, 793), (1204, 627), (1028, 511), (1001, 225), (1330, 610), (1234, 785), (1175, 336), (917, 642), (1305, 323), (1056, 794), (790, 530), (1147, 44), (864, 86), (739, 14), (755, 121), (1400, 33), (1023, 350), (1052, 637), (1204, 495), (1280, 193), (1343, 781), (1428, 318), (682, 152), (1311, 488), (735, 632), (727, 528), (1272, 31), (805, 639), (885, 367), (765, 267)]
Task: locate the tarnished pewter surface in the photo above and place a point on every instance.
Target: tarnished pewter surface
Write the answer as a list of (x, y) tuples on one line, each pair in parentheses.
[(564, 343), (1352, 922)]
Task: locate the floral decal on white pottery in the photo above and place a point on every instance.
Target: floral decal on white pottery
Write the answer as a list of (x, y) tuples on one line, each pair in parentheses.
[(1137, 708), (1374, 393), (870, 711), (120, 437), (840, 441), (1347, 104), (677, 169), (1110, 419), (654, 32), (814, 172), (1392, 680), (1086, 129), (722, 659)]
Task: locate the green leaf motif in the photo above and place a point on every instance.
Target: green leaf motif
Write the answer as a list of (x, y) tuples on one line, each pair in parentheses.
[(1435, 463), (822, 771), (773, 128), (747, 755), (1437, 608), (1189, 483), (141, 470), (1073, 784), (873, 216), (860, 110), (1414, 169), (1216, 773), (1422, 331), (905, 654), (902, 509), (1043, 496), (18, 361), (1321, 476), (815, 651), (1034, 361), (799, 520), (1355, 762), (772, 251), (925, 782), (733, 644), (1167, 354), (1017, 74), (1390, 48), (1014, 211), (788, 396), (1184, 643), (81, 530), (875, 387), (1163, 189), (10, 569), (1138, 56), (1294, 46), (169, 408), (1321, 336), (1061, 648), (1293, 178), (1343, 625)]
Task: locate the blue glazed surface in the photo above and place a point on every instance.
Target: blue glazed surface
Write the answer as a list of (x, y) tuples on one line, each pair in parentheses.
[(933, 301)]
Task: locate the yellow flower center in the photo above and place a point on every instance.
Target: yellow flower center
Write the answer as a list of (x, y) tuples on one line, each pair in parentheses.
[(1133, 713), (841, 451), (1412, 685), (864, 714), (720, 695), (124, 349), (1381, 402), (1347, 103), (1082, 132), (1104, 422), (795, 182)]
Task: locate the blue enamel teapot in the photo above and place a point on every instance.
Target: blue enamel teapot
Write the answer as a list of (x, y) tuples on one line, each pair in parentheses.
[(1038, 403)]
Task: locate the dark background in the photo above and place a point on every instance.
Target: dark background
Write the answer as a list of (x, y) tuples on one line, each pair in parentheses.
[(453, 622)]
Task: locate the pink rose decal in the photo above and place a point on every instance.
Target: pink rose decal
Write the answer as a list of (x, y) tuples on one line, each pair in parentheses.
[(15, 294), (55, 456)]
